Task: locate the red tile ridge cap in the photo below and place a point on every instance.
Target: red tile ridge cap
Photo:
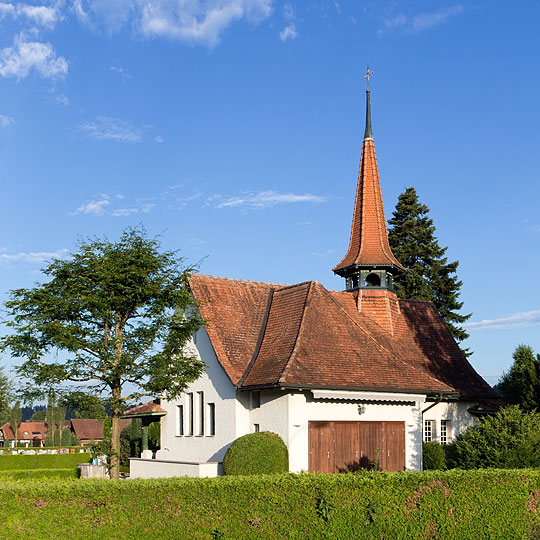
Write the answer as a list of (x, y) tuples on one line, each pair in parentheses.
[(247, 281), (370, 336)]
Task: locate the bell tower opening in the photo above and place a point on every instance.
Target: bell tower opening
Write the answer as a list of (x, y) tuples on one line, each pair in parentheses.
[(373, 280)]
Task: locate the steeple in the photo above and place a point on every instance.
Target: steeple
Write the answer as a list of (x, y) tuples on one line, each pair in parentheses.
[(369, 262)]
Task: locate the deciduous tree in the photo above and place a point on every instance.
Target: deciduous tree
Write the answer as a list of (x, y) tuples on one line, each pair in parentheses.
[(429, 275), (6, 394), (85, 405), (120, 315)]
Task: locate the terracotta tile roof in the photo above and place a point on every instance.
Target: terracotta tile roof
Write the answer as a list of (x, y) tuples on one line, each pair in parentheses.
[(234, 311), (152, 407), (26, 430), (369, 238), (306, 336), (89, 428)]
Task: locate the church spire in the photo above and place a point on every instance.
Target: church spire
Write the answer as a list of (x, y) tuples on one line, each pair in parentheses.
[(369, 261), (368, 134)]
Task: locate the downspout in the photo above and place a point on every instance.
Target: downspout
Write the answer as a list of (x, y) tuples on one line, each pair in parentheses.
[(439, 399)]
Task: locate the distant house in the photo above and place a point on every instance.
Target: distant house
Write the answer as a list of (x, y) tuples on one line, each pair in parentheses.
[(29, 433), (89, 431)]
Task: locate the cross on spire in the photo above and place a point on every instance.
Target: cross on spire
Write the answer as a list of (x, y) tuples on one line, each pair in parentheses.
[(367, 76)]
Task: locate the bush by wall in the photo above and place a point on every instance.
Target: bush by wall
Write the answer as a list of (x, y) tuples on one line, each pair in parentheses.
[(257, 453), (507, 440), (448, 505), (434, 457)]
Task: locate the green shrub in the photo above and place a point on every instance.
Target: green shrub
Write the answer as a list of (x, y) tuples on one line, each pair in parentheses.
[(65, 437), (434, 456), (42, 461), (34, 474), (257, 453), (449, 505), (507, 440)]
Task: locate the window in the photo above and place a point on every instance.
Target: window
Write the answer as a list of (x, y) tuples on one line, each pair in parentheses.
[(190, 413), (211, 419), (428, 430), (445, 428), (256, 428), (255, 400), (180, 410), (201, 413)]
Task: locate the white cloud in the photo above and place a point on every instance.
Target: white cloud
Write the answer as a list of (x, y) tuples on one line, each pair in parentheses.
[(190, 21), (265, 199), (18, 61), (288, 11), (5, 121), (517, 320), (39, 15), (62, 99), (159, 139), (103, 205), (33, 256), (420, 22), (95, 207), (105, 128), (123, 73), (394, 22), (429, 20), (289, 32), (195, 21)]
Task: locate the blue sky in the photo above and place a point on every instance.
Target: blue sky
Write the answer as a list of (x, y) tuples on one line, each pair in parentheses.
[(234, 129)]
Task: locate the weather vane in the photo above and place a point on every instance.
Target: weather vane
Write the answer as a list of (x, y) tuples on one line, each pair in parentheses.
[(367, 76)]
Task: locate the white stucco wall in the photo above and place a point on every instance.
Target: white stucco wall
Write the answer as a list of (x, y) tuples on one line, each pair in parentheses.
[(455, 413), (216, 388)]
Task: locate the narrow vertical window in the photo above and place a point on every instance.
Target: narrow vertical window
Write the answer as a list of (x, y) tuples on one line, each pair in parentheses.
[(256, 428), (428, 430), (201, 413), (180, 410), (211, 419), (255, 400), (444, 431), (190, 413)]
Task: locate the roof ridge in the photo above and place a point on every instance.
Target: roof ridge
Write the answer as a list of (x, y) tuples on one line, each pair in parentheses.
[(260, 340), (380, 345), (285, 287), (300, 326), (238, 280)]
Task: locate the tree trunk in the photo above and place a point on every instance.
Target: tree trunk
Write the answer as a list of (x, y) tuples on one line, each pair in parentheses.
[(115, 435)]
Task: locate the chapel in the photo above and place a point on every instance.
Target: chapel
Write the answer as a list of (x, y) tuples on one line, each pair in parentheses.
[(351, 378)]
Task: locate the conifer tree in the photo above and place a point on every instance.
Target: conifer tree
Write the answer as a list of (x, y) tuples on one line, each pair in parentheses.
[(521, 384), (429, 275)]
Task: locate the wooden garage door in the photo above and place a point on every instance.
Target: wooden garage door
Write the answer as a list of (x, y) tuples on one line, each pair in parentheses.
[(348, 446)]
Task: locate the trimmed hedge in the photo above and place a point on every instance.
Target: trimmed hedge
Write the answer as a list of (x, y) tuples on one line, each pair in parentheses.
[(33, 474), (263, 452), (448, 505), (42, 461)]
